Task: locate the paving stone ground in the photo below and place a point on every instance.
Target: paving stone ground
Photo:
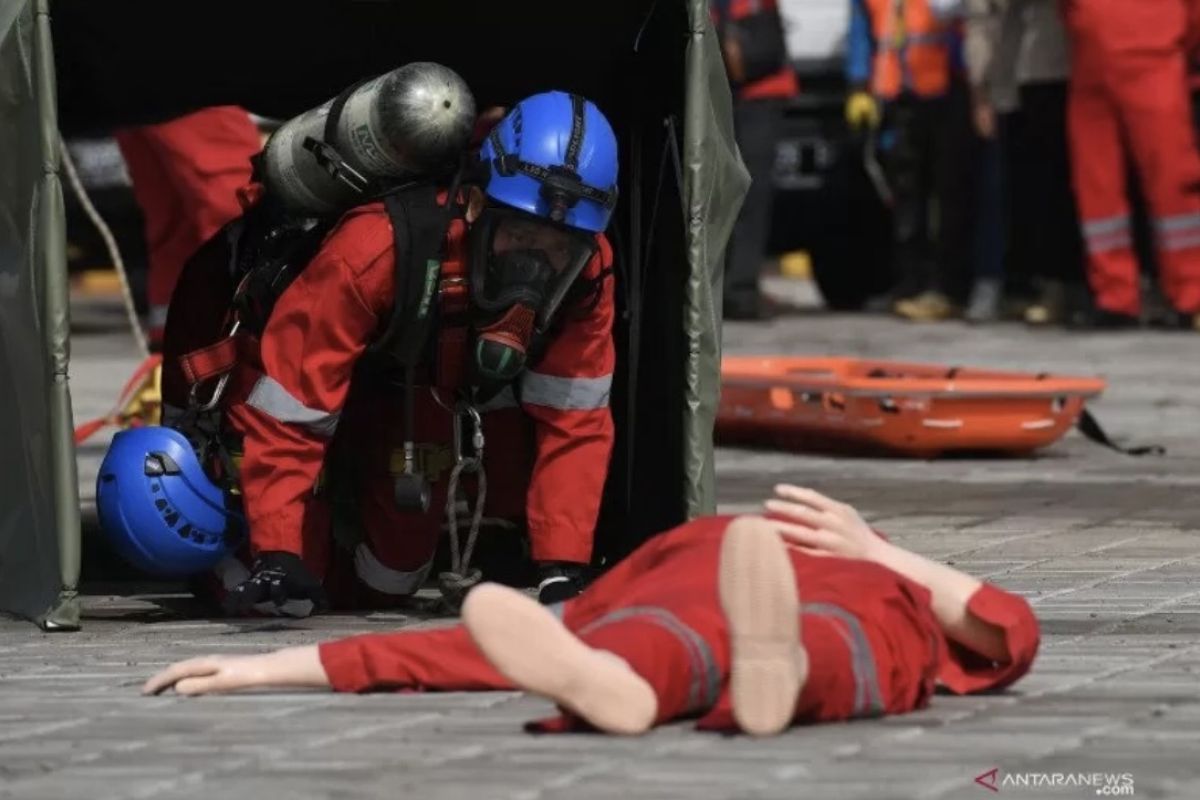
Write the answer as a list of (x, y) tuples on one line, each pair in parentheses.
[(1106, 547)]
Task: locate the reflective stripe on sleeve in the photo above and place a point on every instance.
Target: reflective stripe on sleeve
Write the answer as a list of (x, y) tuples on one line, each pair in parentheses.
[(568, 394), (269, 397)]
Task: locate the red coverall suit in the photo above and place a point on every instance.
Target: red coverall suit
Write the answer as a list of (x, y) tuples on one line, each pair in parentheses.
[(185, 174), (1129, 87), (547, 464), (873, 642)]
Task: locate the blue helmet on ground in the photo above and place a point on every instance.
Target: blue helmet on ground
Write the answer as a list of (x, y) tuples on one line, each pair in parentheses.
[(158, 508), (554, 155)]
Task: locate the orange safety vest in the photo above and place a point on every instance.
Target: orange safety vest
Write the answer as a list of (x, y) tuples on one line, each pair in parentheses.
[(912, 49)]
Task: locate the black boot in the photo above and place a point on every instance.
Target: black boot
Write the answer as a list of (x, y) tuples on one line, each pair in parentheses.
[(558, 582)]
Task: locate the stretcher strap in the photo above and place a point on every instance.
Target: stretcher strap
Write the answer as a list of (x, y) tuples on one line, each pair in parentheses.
[(1090, 427)]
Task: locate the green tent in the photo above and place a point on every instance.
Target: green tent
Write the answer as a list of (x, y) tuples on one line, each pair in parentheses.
[(652, 65)]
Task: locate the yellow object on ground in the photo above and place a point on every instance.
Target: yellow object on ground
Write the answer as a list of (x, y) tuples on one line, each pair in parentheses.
[(797, 264), (928, 307), (145, 404), (139, 403), (98, 282)]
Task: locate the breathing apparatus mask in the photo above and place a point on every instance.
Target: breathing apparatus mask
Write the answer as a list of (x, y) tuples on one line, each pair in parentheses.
[(522, 267)]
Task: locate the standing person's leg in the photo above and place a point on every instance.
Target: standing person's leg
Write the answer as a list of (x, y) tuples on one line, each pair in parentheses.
[(185, 174), (955, 156), (1155, 111), (990, 234), (1020, 168), (903, 140), (757, 126), (1098, 178), (1056, 247), (946, 180)]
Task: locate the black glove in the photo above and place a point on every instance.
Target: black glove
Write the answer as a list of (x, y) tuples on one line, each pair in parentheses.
[(276, 577)]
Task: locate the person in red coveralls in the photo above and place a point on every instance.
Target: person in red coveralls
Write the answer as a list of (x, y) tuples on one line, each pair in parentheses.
[(802, 615), (185, 174), (756, 60), (520, 355), (1129, 94)]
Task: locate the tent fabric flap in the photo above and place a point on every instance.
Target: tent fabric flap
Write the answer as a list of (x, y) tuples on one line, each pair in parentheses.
[(715, 182), (39, 496)]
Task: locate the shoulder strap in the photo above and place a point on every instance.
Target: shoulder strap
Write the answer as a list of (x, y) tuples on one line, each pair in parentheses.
[(419, 227)]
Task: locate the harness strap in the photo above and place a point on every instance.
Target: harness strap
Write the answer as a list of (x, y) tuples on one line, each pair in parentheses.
[(419, 228), (208, 362), (335, 112)]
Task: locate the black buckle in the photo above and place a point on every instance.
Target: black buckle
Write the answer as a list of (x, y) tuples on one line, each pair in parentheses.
[(332, 162)]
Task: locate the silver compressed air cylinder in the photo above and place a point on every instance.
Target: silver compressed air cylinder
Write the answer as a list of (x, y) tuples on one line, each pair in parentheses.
[(411, 122)]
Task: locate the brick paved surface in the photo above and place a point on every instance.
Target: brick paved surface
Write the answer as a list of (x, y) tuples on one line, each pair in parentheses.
[(1106, 547)]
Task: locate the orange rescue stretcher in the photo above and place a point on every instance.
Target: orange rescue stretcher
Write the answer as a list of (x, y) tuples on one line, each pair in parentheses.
[(916, 410)]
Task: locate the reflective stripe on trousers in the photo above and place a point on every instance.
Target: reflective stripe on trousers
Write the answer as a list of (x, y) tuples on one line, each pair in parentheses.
[(705, 685), (1178, 232), (382, 578), (1107, 234), (868, 699)]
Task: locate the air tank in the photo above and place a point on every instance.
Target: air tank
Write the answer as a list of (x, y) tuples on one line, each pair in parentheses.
[(411, 122)]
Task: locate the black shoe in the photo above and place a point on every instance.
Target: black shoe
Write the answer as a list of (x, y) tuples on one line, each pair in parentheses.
[(558, 583), (1102, 320), (1177, 321)]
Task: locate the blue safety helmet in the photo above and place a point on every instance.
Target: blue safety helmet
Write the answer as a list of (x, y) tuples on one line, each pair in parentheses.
[(554, 155), (158, 508)]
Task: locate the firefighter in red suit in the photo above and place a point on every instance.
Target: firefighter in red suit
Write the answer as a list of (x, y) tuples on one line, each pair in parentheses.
[(524, 308), (186, 173), (802, 615), (1129, 90)]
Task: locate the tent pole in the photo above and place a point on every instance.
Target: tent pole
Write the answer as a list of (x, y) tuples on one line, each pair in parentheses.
[(51, 260)]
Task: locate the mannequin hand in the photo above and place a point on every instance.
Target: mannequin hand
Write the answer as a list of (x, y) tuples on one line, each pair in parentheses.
[(290, 667), (211, 675), (862, 111), (821, 526)]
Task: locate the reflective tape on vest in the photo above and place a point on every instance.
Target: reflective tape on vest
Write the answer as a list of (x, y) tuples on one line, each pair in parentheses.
[(568, 394), (383, 578), (269, 397)]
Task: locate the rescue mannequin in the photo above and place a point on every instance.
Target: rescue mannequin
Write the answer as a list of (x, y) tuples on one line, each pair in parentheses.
[(803, 614)]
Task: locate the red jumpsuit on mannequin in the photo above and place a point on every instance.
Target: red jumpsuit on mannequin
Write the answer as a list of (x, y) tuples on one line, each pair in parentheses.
[(185, 174), (874, 644), (1129, 89)]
